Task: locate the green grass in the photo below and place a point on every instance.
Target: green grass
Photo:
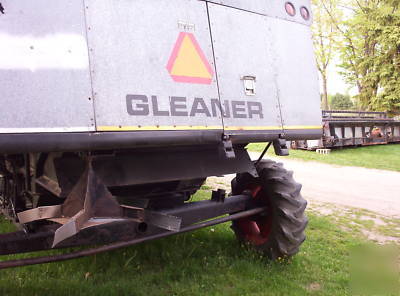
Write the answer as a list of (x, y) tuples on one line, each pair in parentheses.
[(357, 220), (206, 262), (386, 157)]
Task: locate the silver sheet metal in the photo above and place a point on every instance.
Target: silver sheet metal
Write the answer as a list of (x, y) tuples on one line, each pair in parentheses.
[(40, 213), (243, 48), (270, 8), (131, 58), (112, 66), (44, 67), (296, 74)]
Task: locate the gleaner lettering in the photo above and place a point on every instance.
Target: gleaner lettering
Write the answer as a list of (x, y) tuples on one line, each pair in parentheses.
[(141, 105)]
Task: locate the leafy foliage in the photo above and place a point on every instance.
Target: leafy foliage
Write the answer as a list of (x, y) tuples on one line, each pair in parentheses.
[(366, 36), (325, 38), (341, 102), (371, 53)]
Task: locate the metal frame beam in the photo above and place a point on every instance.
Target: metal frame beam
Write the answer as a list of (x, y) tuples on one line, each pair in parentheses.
[(124, 229)]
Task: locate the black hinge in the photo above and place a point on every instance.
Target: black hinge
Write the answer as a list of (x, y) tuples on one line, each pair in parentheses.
[(1, 8)]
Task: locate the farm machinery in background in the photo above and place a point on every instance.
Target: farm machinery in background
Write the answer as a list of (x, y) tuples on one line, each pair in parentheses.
[(352, 129)]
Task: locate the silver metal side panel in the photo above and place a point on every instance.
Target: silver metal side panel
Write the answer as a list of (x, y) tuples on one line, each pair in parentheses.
[(242, 47), (258, 6), (274, 8), (44, 67), (277, 9), (132, 48), (296, 75)]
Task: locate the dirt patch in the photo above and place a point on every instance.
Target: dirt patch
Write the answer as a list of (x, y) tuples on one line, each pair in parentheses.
[(370, 189), (375, 227), (379, 238), (220, 182), (313, 287)]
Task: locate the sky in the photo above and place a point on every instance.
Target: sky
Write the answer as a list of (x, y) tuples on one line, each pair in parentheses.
[(336, 83)]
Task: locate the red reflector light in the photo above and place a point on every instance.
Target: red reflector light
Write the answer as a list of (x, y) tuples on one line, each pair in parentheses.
[(305, 13), (289, 7)]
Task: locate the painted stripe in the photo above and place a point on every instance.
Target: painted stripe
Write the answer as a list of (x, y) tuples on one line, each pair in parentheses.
[(192, 127), (46, 130), (157, 128), (150, 128), (252, 128), (287, 127), (300, 127)]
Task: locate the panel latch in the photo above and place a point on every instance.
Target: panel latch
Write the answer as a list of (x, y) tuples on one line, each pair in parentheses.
[(249, 83)]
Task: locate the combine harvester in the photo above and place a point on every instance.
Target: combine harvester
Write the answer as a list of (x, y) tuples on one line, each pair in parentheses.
[(353, 128), (114, 113)]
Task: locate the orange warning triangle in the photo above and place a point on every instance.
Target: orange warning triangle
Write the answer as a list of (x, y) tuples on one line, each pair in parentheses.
[(188, 62)]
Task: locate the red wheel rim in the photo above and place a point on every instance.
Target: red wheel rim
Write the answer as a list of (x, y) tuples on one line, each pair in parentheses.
[(256, 229)]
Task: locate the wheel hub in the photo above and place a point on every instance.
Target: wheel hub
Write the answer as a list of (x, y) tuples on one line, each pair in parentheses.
[(256, 229)]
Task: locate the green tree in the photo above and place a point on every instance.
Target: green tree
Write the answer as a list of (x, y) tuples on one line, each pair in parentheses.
[(371, 53), (341, 102), (325, 38)]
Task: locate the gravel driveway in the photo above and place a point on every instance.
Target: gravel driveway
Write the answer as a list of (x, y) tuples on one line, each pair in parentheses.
[(371, 189)]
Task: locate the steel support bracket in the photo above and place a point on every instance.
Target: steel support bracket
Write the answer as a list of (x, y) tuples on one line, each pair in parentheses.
[(280, 147), (89, 204), (218, 195), (228, 148)]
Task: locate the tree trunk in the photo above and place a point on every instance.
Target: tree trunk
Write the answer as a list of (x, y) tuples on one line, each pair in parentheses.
[(325, 104)]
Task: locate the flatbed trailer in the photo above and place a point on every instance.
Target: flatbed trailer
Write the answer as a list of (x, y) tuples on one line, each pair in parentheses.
[(353, 128)]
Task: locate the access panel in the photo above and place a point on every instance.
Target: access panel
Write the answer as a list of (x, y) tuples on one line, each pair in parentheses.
[(152, 65), (297, 78), (256, 6), (245, 70), (44, 68)]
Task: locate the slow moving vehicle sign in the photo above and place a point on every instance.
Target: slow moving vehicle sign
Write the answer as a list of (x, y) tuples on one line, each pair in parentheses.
[(188, 62)]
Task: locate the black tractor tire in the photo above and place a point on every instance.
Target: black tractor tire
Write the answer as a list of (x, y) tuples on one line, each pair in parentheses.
[(279, 232)]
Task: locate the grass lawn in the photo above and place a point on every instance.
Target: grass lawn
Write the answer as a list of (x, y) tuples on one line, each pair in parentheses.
[(206, 262), (386, 157)]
